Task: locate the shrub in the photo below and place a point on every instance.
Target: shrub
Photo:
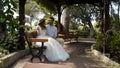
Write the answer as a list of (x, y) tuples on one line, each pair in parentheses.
[(8, 27), (113, 38), (9, 42), (84, 34), (99, 37), (113, 42)]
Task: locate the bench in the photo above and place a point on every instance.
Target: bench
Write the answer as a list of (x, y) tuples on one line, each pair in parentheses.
[(72, 35), (36, 52), (68, 36)]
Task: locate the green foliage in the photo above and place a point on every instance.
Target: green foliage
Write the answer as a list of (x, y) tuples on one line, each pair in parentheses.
[(47, 5), (7, 21), (97, 26), (115, 1), (3, 52), (84, 34), (99, 37), (82, 31), (113, 38), (9, 42), (27, 27), (27, 8), (31, 7), (9, 27), (113, 42), (73, 25), (83, 13), (115, 25)]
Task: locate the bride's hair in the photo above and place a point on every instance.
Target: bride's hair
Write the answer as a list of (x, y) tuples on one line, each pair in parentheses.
[(42, 23)]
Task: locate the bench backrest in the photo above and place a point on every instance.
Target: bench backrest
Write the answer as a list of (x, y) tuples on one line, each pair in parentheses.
[(36, 52), (28, 35), (31, 37)]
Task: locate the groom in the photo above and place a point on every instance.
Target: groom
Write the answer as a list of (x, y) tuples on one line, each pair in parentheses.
[(52, 31)]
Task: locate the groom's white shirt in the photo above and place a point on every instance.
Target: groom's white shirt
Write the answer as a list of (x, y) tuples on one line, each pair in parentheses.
[(51, 30)]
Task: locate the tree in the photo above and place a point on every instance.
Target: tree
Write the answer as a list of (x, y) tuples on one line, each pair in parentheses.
[(117, 3), (32, 10), (65, 19), (115, 18), (47, 5), (84, 14)]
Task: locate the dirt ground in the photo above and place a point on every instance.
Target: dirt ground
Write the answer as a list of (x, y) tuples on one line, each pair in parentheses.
[(80, 57)]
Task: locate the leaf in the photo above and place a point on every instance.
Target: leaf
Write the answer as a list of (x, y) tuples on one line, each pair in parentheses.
[(14, 4)]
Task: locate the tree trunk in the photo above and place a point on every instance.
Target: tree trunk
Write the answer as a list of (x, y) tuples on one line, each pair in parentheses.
[(0, 6), (59, 19), (102, 14), (106, 15), (21, 24), (0, 16), (65, 19), (91, 29), (106, 24)]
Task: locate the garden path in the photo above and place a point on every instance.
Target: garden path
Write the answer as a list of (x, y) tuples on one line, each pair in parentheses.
[(80, 57)]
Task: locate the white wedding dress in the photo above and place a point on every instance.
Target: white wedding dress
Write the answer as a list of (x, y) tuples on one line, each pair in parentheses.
[(54, 52)]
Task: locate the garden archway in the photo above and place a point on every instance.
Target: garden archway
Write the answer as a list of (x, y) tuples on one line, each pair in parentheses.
[(103, 3)]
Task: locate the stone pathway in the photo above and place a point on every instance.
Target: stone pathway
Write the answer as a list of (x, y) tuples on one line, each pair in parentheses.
[(80, 57)]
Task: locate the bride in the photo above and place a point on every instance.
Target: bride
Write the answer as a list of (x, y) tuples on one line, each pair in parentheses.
[(54, 51)]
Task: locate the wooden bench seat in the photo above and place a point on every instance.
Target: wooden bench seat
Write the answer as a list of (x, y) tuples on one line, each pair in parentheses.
[(37, 40)]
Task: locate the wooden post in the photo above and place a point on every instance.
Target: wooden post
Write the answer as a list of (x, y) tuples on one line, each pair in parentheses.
[(1, 7), (59, 17), (106, 15), (102, 14), (106, 24), (21, 24)]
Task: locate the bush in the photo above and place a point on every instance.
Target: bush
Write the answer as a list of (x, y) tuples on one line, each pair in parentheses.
[(99, 37), (81, 33), (113, 42), (9, 43), (84, 34), (113, 38), (8, 27)]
